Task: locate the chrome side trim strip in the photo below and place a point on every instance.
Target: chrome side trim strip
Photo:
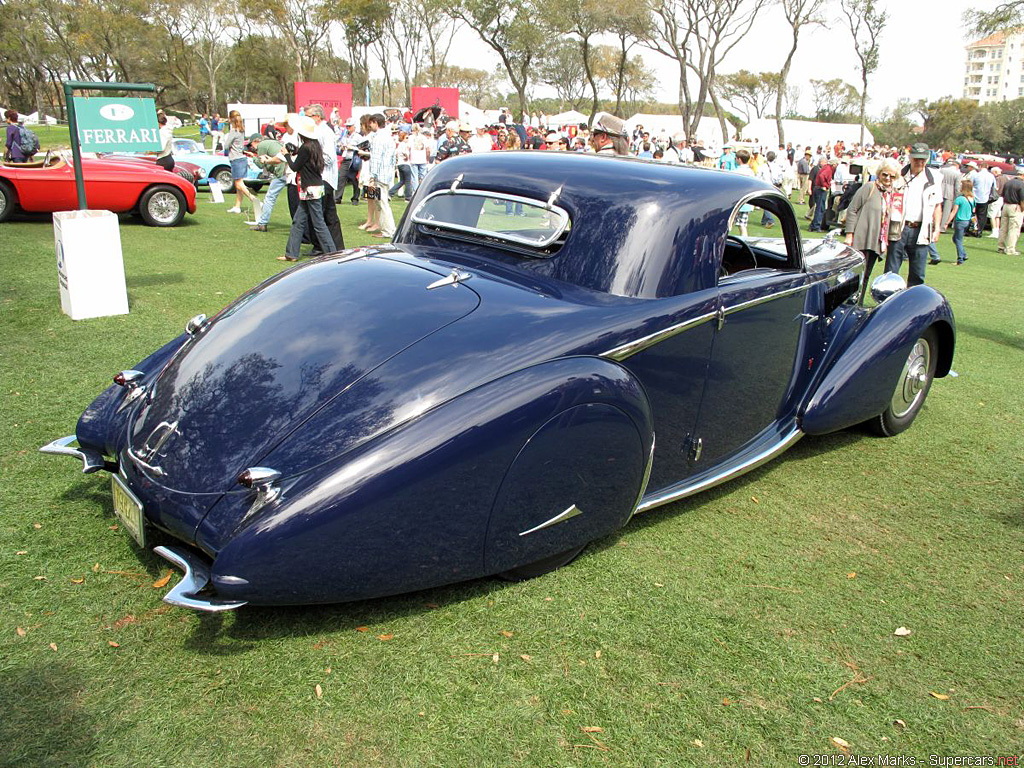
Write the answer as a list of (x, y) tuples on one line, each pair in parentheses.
[(688, 489), (630, 348), (770, 297), (561, 517), (92, 461), (184, 594)]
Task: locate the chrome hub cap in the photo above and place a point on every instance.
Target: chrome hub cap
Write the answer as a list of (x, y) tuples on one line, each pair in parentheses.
[(913, 380), (3, 202), (164, 207)]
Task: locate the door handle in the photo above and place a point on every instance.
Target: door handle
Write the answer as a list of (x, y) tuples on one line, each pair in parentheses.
[(808, 318)]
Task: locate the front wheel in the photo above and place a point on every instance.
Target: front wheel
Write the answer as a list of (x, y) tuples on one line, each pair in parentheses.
[(911, 389), (162, 206), (222, 176), (7, 201)]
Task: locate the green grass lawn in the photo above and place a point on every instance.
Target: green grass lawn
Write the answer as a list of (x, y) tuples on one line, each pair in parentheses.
[(749, 624)]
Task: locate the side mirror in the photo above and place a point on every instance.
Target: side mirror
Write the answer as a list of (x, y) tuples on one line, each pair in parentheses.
[(886, 285)]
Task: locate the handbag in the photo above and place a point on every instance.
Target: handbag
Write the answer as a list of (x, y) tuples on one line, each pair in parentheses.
[(371, 193)]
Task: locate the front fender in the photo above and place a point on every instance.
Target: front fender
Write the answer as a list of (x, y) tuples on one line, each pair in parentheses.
[(411, 508), (862, 378)]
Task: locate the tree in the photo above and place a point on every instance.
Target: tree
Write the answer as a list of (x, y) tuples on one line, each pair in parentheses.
[(799, 14), (562, 69), (510, 29), (1004, 16), (866, 22), (698, 35), (834, 100), (440, 30), (631, 80), (959, 124), (749, 91), (584, 20), (629, 22), (894, 127)]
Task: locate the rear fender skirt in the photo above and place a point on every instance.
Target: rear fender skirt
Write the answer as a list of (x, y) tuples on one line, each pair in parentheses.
[(411, 509), (860, 381)]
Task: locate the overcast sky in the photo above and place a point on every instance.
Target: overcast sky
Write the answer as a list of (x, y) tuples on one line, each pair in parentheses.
[(922, 54)]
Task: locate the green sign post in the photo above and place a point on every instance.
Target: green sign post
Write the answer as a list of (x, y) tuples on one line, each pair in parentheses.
[(117, 125), (103, 123)]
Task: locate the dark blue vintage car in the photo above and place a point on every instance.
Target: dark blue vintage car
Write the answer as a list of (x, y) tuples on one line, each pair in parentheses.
[(553, 343)]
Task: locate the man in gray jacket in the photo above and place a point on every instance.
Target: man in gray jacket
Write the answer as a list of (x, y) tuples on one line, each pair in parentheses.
[(950, 187)]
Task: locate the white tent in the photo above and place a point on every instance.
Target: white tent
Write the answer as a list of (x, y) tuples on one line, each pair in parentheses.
[(572, 117), (803, 133), (35, 119), (709, 130)]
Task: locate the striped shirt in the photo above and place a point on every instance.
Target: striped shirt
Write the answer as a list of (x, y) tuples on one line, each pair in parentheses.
[(382, 156)]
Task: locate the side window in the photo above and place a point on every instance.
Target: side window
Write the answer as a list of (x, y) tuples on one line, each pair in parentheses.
[(762, 236)]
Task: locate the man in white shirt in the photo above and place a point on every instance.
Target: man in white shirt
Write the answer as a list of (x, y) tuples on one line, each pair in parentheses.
[(917, 203), (481, 141), (328, 142)]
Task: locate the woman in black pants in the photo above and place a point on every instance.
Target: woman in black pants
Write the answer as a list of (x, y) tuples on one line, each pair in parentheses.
[(308, 164)]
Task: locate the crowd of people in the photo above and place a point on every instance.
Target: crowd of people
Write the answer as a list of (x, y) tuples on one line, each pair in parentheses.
[(891, 202)]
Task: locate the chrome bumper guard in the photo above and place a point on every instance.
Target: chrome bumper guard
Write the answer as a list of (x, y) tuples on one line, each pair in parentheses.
[(92, 461), (197, 575)]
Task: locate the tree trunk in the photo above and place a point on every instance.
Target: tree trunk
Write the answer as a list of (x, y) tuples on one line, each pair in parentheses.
[(585, 45), (783, 77), (863, 103), (721, 116)]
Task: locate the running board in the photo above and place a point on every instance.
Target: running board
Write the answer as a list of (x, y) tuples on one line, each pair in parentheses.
[(703, 482)]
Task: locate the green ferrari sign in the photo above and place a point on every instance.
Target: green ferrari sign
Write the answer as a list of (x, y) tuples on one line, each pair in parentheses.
[(117, 125)]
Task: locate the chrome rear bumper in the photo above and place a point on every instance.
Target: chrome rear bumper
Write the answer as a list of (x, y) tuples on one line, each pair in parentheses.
[(185, 593), (92, 461)]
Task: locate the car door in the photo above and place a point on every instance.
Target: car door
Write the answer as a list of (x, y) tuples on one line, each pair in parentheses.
[(761, 335)]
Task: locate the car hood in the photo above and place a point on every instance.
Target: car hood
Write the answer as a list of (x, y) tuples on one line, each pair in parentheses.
[(274, 358)]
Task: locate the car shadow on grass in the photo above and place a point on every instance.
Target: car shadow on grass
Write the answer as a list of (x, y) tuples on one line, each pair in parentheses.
[(156, 279), (44, 721), (997, 336)]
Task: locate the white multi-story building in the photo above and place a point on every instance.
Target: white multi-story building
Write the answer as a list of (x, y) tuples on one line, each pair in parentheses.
[(995, 68)]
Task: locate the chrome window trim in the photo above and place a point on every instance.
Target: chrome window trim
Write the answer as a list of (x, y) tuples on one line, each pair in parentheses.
[(745, 199), (675, 493), (562, 214), (770, 297)]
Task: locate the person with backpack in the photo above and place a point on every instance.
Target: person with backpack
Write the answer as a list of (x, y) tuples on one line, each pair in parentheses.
[(21, 143)]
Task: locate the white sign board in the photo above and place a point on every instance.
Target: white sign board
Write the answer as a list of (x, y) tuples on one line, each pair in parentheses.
[(256, 115), (90, 270)]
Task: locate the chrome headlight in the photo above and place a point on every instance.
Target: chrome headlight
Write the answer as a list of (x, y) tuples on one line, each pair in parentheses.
[(886, 285)]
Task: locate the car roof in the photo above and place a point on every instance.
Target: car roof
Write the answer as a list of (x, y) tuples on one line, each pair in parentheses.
[(639, 228)]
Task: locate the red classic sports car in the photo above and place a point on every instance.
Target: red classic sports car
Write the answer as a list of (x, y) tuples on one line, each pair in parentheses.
[(161, 198)]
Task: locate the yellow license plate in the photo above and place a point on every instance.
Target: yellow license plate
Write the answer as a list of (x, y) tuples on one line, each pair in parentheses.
[(128, 509)]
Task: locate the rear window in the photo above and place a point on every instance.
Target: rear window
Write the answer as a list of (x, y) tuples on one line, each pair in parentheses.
[(510, 218)]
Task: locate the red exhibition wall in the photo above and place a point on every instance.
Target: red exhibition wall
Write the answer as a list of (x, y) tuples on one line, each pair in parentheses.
[(330, 95), (427, 97)]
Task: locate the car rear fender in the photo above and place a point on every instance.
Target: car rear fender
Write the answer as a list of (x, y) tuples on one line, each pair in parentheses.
[(412, 508), (862, 376), (102, 425)]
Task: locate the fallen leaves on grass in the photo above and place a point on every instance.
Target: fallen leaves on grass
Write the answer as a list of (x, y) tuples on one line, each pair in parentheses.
[(727, 702), (96, 568), (495, 657), (591, 729), (327, 671), (124, 621), (851, 575), (38, 578), (939, 696), (319, 691), (113, 644), (841, 744), (506, 633), (597, 654), (698, 743), (37, 526), (899, 723), (902, 632), (21, 631), (162, 581), (858, 679), (362, 629), (754, 499), (385, 638), (21, 552), (53, 647), (525, 657), (77, 580)]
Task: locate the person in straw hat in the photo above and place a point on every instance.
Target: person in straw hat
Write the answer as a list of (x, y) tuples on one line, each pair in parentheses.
[(308, 164)]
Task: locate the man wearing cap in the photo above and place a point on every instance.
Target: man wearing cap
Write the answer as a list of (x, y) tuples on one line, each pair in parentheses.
[(455, 144), (608, 136), (1012, 215), (350, 138), (984, 190), (950, 186), (803, 173), (329, 144), (727, 162), (917, 203), (481, 141), (270, 158)]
